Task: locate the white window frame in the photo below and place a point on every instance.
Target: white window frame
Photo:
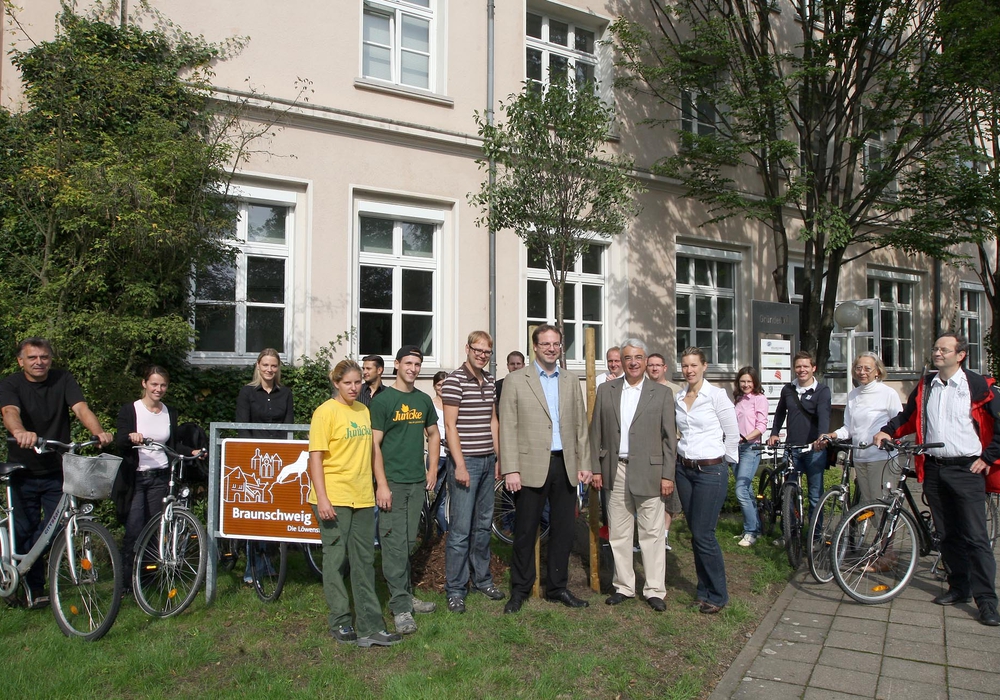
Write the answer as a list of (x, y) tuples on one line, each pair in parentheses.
[(692, 289), (578, 278), (882, 277), (966, 316), (395, 11), (694, 119), (569, 52), (251, 195), (398, 213)]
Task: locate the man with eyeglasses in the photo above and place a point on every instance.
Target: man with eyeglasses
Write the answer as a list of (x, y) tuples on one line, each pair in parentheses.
[(543, 438), (470, 426), (959, 408)]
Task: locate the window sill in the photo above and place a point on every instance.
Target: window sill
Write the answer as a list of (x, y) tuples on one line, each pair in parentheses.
[(403, 91)]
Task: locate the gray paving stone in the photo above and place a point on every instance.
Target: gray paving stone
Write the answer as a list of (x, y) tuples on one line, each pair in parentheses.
[(863, 612), (915, 651), (812, 604), (962, 694), (850, 660), (784, 631), (912, 604), (897, 689), (919, 619), (916, 671), (854, 683), (780, 670), (977, 681), (824, 694), (792, 651), (910, 633), (980, 659), (858, 626), (754, 689), (797, 618), (872, 643)]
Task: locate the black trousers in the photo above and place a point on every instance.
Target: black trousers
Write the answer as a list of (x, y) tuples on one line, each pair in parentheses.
[(528, 506), (958, 503), (147, 503)]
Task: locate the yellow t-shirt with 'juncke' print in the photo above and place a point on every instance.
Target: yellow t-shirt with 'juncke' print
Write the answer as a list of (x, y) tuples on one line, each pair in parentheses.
[(344, 435)]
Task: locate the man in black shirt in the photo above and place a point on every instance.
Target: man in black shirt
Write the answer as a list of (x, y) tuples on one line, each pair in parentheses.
[(372, 368), (36, 402)]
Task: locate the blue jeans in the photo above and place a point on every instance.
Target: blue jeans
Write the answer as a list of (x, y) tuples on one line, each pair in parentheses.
[(702, 492), (469, 526), (744, 472), (813, 464)]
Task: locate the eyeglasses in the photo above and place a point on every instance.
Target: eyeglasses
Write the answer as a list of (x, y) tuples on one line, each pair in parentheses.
[(864, 370), (943, 351), (549, 346), (481, 352)]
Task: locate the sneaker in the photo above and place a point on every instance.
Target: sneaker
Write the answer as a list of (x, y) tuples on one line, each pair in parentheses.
[(345, 635), (636, 549), (492, 592), (780, 542), (404, 623), (456, 604), (748, 539), (422, 607), (379, 639), (37, 600), (666, 543)]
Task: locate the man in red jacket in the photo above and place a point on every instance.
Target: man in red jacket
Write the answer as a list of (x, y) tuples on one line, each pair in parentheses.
[(958, 408)]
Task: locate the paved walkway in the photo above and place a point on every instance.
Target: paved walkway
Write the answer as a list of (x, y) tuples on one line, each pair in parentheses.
[(818, 643)]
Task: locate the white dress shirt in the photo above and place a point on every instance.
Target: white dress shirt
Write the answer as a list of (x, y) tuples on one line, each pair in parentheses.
[(630, 400), (709, 429), (869, 407), (949, 417)]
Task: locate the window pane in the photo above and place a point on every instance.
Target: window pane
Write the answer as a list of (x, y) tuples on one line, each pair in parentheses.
[(376, 288), (904, 293), (416, 34), (266, 280), (558, 68), (703, 312), (376, 62), (266, 224), (215, 327), (727, 313), (905, 356), (724, 274), (415, 69), (584, 40), (701, 272), (598, 345), (683, 342), (591, 261), (536, 259), (217, 282), (418, 240), (872, 284), (569, 302), (584, 74), (376, 28), (375, 334), (265, 329), (703, 339), (683, 270), (904, 325), (533, 64), (533, 26), (885, 291), (536, 299), (558, 33), (593, 297), (726, 351), (683, 311), (422, 3), (418, 290), (376, 235), (419, 331), (569, 338), (888, 324)]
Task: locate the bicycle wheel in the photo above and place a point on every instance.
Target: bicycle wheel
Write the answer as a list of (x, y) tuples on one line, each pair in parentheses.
[(314, 558), (503, 513), (825, 518), (791, 522), (86, 581), (269, 566), (765, 502), (229, 552), (875, 552), (168, 573)]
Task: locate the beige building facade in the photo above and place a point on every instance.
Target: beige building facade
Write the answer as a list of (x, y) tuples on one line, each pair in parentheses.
[(358, 215)]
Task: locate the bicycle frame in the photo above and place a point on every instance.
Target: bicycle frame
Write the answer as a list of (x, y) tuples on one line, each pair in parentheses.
[(62, 517)]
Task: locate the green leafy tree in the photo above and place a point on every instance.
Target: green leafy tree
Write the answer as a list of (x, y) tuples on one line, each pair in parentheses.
[(824, 113), (556, 185)]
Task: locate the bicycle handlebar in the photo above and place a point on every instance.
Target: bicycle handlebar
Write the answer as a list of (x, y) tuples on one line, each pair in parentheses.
[(908, 447), (150, 442), (44, 444), (761, 446)]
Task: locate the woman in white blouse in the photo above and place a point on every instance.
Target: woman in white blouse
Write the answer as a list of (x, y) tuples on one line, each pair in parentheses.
[(869, 406), (709, 439)]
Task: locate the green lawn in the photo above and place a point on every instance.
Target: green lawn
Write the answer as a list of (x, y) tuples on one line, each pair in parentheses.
[(242, 648)]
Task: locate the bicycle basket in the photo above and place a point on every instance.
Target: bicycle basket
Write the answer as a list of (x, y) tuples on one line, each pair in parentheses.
[(89, 477)]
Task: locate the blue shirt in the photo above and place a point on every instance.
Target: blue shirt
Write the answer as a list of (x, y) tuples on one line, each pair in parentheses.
[(550, 385)]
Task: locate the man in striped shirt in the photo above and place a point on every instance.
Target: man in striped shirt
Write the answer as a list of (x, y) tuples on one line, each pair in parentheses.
[(470, 425)]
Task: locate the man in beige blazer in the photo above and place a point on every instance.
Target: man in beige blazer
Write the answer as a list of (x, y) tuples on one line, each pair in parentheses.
[(633, 443), (544, 454)]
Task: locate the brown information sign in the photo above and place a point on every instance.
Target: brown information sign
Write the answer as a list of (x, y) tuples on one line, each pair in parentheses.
[(264, 487)]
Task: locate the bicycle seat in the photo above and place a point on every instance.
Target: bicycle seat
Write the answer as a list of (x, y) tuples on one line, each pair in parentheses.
[(8, 468)]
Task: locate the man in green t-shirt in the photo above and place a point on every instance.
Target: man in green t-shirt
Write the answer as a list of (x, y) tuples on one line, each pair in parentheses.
[(401, 417)]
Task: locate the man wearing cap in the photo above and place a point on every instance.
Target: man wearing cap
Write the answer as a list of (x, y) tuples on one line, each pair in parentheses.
[(402, 416)]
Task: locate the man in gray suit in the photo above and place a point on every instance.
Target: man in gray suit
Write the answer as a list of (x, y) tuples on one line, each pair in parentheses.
[(633, 443), (544, 453)]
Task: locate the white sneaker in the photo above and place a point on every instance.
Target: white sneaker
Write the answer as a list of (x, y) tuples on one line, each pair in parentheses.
[(748, 540), (422, 607), (404, 623), (780, 542), (666, 544)]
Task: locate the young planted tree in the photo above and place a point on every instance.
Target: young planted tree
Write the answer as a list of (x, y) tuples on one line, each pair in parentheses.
[(822, 106), (556, 186)]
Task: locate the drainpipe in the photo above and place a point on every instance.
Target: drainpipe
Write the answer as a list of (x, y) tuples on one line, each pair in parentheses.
[(490, 47)]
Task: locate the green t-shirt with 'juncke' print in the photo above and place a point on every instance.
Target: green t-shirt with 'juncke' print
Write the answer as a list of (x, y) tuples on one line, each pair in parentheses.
[(402, 418)]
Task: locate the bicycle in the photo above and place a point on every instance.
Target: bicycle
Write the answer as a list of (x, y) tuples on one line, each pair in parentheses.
[(170, 552), (779, 491), (877, 545), (504, 510), (86, 577), (826, 517)]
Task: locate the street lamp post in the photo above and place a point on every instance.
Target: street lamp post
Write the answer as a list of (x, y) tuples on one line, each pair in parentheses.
[(848, 317)]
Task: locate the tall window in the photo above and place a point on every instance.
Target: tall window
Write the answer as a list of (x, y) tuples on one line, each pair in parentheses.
[(970, 310), (706, 304), (875, 161), (699, 114), (895, 320), (559, 50), (583, 304), (398, 279), (241, 305), (396, 42)]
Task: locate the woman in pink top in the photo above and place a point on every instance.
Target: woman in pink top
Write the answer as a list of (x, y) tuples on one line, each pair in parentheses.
[(751, 417)]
